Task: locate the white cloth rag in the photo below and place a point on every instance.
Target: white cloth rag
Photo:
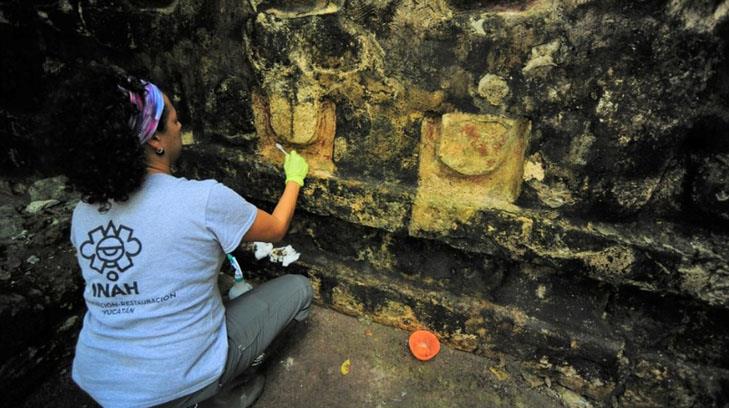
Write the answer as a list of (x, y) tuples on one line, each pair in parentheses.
[(286, 255)]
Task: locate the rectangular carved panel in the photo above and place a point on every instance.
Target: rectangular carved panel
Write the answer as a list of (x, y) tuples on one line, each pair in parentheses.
[(467, 162), (307, 127)]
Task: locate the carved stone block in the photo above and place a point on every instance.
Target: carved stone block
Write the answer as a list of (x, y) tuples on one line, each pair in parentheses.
[(308, 127), (301, 123), (474, 145), (467, 162)]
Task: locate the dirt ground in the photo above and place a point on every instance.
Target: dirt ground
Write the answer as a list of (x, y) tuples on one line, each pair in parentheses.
[(306, 372), (383, 373)]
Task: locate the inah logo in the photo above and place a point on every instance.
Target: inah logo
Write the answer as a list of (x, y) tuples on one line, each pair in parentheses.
[(111, 249)]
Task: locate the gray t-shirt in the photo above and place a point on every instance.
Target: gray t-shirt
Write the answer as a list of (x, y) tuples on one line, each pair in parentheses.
[(155, 327)]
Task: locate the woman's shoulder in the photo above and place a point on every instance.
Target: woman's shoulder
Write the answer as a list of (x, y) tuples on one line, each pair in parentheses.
[(170, 181), (187, 188)]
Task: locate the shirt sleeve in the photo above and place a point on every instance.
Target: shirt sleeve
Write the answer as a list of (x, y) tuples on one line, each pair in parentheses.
[(228, 216)]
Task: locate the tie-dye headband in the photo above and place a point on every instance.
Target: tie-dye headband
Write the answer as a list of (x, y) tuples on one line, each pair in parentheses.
[(149, 106)]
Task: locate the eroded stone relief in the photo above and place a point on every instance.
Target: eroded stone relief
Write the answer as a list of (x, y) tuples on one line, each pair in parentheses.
[(307, 126), (467, 162)]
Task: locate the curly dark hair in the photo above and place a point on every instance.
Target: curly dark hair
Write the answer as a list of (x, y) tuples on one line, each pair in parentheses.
[(99, 153)]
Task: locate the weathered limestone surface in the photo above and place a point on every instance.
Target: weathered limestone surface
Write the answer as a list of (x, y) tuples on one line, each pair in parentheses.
[(40, 285), (546, 178)]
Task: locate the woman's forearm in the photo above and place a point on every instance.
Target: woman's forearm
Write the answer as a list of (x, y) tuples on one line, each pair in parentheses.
[(273, 227), (286, 205)]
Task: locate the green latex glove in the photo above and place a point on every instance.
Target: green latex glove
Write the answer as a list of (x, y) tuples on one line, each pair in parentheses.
[(295, 167)]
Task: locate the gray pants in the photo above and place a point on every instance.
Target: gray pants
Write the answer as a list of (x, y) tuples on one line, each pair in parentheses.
[(253, 320)]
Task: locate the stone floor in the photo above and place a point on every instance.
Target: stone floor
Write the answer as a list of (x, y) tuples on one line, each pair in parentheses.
[(306, 372)]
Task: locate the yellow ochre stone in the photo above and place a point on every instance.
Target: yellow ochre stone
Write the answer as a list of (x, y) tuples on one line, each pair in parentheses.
[(399, 315), (280, 116), (463, 341), (345, 302), (493, 88), (474, 145), (468, 162), (305, 123), (305, 9), (307, 127), (300, 124)]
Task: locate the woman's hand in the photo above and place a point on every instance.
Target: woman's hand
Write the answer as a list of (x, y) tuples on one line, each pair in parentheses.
[(273, 227), (295, 168)]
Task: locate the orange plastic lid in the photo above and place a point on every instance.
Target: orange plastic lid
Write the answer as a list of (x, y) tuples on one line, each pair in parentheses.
[(424, 345)]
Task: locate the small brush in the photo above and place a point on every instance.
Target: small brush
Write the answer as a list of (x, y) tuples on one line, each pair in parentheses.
[(279, 147)]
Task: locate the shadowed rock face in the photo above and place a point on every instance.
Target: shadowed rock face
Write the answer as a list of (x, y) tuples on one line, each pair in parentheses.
[(546, 179)]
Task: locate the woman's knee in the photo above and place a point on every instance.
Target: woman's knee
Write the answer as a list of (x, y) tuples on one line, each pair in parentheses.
[(302, 283), (300, 289)]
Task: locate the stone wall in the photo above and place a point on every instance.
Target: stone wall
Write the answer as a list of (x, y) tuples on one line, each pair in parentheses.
[(547, 179), (40, 285)]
